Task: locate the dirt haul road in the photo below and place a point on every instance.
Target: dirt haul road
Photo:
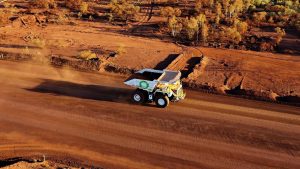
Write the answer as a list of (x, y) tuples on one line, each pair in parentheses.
[(88, 116)]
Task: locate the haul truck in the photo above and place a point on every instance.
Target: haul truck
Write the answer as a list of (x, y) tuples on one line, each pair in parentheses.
[(159, 86)]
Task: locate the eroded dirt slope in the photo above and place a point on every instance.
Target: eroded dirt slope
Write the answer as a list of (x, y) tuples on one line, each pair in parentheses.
[(247, 72)]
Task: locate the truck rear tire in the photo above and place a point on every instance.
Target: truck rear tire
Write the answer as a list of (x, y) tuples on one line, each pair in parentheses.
[(161, 101), (138, 97)]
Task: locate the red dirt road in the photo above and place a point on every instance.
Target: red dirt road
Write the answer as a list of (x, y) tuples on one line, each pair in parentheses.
[(87, 116)]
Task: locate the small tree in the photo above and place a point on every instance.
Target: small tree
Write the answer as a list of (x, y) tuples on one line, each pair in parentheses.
[(235, 21), (211, 3), (226, 6), (84, 7), (247, 4), (231, 10), (217, 19), (201, 20), (218, 9), (232, 35), (175, 26), (198, 5), (259, 16), (239, 5), (123, 9), (242, 27), (218, 13), (280, 34), (170, 12), (236, 37), (204, 32), (192, 27)]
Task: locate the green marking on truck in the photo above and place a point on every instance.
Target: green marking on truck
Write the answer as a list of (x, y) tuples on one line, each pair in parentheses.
[(144, 84)]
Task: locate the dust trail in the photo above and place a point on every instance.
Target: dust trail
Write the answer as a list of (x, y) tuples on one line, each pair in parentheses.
[(41, 57)]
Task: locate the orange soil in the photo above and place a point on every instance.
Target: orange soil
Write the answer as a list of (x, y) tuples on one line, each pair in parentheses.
[(88, 116), (259, 72)]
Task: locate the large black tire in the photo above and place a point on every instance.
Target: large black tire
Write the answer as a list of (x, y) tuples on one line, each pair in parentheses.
[(161, 100), (138, 96)]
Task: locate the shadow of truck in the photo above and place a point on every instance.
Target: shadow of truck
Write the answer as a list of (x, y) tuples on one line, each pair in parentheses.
[(83, 91)]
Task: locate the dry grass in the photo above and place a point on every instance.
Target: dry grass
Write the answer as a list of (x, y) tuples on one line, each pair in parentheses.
[(273, 96), (84, 7), (7, 5), (73, 4), (87, 55), (40, 43), (26, 51), (204, 62), (44, 4), (59, 43), (121, 50)]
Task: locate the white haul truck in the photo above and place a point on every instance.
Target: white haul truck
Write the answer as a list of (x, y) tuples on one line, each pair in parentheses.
[(160, 86)]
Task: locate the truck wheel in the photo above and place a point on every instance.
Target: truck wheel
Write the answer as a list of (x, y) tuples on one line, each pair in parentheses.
[(138, 97), (162, 101)]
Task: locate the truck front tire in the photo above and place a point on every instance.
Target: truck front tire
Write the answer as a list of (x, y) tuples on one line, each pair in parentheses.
[(138, 97), (161, 100)]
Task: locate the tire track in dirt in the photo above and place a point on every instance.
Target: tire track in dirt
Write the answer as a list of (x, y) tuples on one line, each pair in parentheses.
[(97, 122), (212, 125), (165, 124), (91, 134)]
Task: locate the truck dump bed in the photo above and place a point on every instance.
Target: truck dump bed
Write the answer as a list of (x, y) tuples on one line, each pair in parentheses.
[(148, 79), (170, 76)]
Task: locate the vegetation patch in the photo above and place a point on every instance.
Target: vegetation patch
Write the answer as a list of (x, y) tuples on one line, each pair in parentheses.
[(47, 4), (79, 64), (123, 10), (87, 55), (39, 43)]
